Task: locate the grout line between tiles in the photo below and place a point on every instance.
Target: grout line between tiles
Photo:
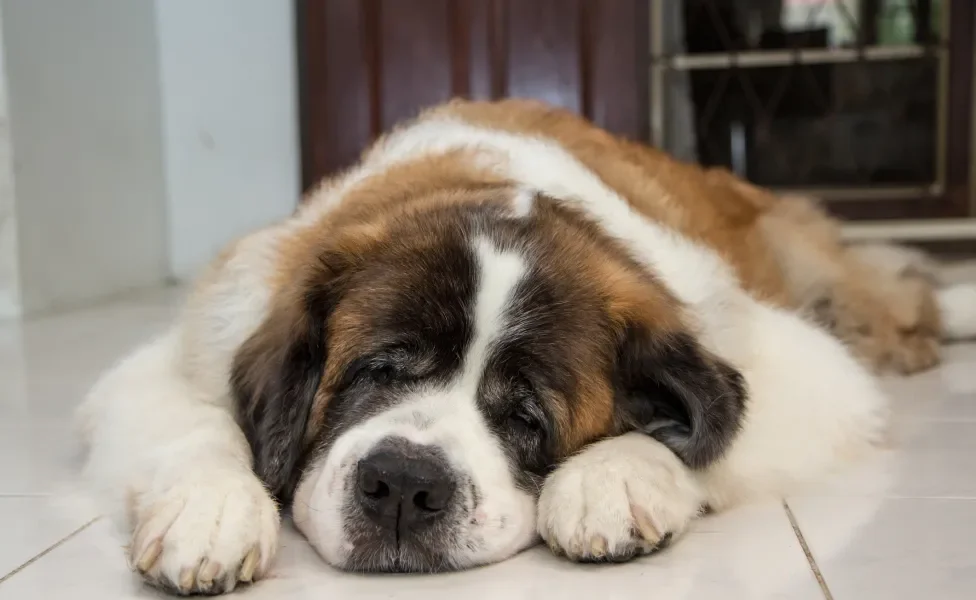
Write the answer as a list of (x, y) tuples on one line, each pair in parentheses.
[(891, 497), (24, 495), (806, 551), (47, 550)]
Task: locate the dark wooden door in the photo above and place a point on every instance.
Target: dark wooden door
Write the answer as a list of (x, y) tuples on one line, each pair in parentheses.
[(366, 64)]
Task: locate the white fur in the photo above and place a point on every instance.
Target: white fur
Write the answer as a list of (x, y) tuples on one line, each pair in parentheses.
[(812, 407), (695, 274), (162, 432), (957, 305), (523, 203), (445, 417)]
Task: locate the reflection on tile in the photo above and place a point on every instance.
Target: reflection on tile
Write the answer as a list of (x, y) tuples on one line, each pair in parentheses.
[(905, 473), (947, 393), (932, 441), (906, 548), (36, 458), (49, 363), (934, 474), (29, 525), (46, 366), (9, 267), (756, 556)]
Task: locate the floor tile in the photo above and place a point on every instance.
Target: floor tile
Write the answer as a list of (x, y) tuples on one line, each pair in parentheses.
[(751, 554), (892, 548), (30, 525), (946, 393), (932, 440), (46, 367), (47, 364), (923, 459), (37, 458)]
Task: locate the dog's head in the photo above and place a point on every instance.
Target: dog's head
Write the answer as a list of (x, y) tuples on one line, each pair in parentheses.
[(421, 373)]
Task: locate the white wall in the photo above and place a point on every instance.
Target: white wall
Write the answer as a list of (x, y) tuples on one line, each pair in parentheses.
[(9, 262), (85, 125), (230, 121), (145, 134)]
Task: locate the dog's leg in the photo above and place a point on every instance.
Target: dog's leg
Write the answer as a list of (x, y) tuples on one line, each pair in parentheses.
[(619, 498), (178, 465), (955, 299)]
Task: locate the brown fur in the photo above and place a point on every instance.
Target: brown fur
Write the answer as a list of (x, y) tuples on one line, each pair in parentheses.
[(676, 194), (400, 213), (889, 319), (785, 251)]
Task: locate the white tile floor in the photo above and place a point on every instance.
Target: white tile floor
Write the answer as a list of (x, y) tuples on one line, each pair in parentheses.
[(901, 526)]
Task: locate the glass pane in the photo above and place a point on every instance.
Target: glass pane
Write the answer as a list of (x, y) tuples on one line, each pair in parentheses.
[(700, 26), (845, 124)]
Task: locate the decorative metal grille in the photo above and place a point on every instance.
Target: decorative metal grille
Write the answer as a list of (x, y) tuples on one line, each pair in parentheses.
[(843, 97)]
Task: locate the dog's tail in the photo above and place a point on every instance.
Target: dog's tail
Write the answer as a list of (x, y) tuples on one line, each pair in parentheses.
[(957, 305)]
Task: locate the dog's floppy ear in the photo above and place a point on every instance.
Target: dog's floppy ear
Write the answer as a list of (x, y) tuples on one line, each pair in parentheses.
[(276, 375), (672, 389)]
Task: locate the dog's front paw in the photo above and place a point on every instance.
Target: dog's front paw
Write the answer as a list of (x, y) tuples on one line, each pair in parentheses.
[(204, 535), (619, 498)]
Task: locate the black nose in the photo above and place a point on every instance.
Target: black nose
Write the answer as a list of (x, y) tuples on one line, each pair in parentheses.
[(403, 486)]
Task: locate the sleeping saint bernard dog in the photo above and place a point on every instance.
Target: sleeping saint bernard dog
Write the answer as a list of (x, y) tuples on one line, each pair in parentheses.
[(504, 325)]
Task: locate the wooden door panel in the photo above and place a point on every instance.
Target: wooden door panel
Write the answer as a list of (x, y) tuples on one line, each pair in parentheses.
[(336, 90), (480, 63), (544, 53), (960, 109), (617, 49), (367, 64), (415, 50)]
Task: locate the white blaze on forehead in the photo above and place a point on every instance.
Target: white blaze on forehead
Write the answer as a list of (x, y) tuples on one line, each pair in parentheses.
[(499, 273), (694, 273), (523, 202)]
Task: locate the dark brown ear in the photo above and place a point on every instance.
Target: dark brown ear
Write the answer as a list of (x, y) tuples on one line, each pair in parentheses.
[(275, 377), (672, 389)]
